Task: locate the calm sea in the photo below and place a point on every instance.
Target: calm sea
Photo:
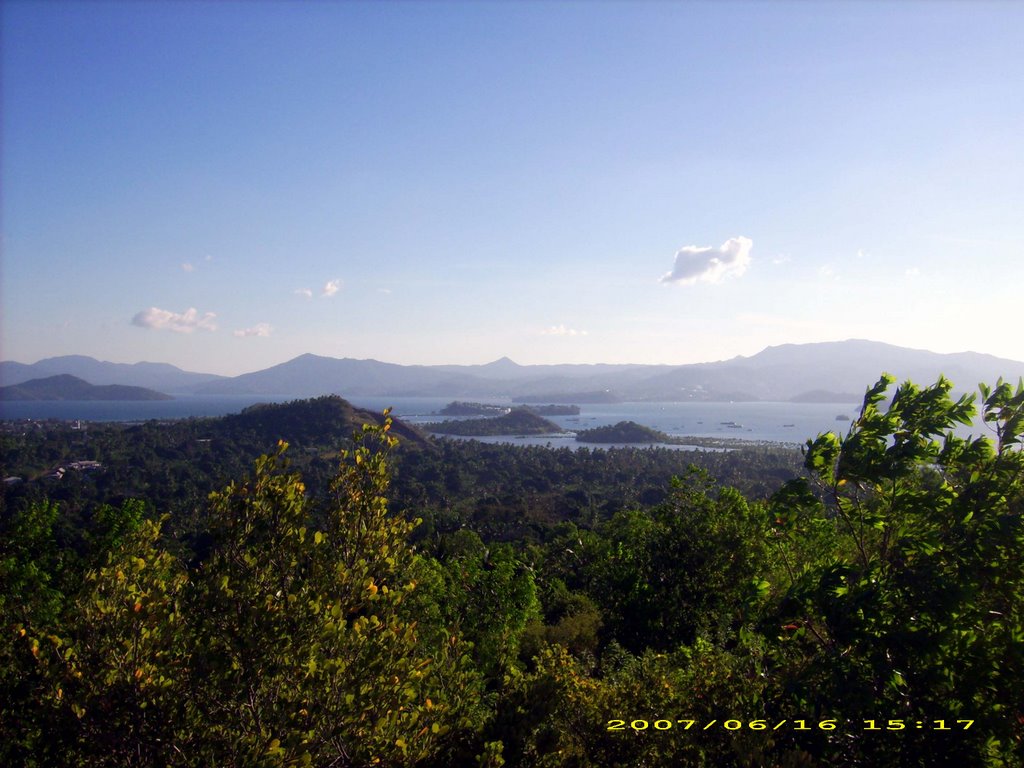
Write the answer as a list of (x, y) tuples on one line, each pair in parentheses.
[(774, 422)]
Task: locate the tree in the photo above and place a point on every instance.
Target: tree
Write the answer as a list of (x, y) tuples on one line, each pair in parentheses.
[(633, 710), (680, 570), (489, 594), (291, 642), (307, 652), (43, 570), (913, 611)]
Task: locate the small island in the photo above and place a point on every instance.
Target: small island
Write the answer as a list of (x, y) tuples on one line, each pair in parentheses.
[(623, 432), (631, 433), (519, 421), (66, 387)]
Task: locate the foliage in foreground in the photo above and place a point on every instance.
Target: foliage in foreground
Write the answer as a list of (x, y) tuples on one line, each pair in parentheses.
[(287, 643), (883, 591)]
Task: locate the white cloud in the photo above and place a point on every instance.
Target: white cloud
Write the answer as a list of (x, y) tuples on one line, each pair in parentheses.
[(330, 288), (710, 265), (561, 330), (260, 329), (186, 322), (188, 267), (912, 272), (306, 292)]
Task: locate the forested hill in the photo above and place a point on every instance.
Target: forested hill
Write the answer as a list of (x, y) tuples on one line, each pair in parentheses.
[(507, 491), (519, 421), (312, 422), (623, 432), (174, 465)]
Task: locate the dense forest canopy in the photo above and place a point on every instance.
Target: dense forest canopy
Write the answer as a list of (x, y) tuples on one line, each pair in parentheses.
[(368, 600), (518, 421), (623, 432)]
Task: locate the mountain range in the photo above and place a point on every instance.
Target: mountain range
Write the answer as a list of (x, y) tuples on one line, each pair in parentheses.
[(821, 372), (159, 376)]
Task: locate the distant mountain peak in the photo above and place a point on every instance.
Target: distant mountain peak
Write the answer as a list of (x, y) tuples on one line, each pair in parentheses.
[(503, 362), (159, 376), (780, 372)]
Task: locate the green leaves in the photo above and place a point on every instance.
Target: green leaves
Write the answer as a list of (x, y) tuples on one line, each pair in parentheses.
[(336, 630), (904, 605), (820, 456), (680, 570), (883, 444), (1004, 408), (276, 647)]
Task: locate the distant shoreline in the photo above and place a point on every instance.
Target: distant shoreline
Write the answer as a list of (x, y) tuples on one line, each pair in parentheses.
[(692, 424)]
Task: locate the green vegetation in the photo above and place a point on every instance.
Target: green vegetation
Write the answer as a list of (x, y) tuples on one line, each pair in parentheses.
[(623, 432), (519, 421), (550, 609)]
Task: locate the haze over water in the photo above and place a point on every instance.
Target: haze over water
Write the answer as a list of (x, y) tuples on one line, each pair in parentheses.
[(761, 421)]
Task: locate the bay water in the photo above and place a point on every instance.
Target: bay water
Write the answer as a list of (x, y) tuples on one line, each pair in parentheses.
[(777, 422)]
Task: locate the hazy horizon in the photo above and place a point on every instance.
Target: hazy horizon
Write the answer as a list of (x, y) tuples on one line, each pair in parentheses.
[(492, 360), (224, 187)]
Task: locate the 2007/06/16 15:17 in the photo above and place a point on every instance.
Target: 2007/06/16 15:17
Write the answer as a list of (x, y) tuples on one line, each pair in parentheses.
[(797, 725)]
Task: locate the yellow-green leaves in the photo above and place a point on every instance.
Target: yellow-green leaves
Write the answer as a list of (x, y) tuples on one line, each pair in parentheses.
[(316, 618)]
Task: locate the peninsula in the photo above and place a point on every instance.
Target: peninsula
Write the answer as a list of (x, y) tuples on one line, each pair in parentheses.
[(67, 387)]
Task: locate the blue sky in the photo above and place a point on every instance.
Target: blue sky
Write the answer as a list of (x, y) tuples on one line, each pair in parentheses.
[(224, 186)]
